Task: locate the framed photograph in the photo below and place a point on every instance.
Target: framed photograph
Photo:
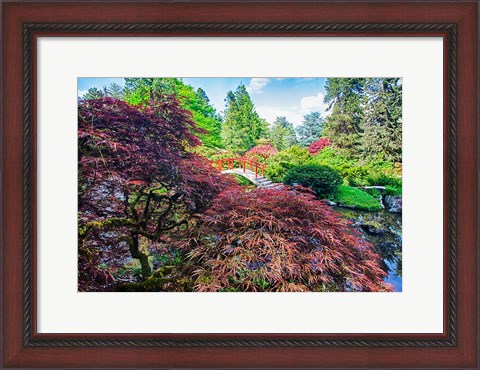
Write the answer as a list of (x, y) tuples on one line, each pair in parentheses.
[(240, 184)]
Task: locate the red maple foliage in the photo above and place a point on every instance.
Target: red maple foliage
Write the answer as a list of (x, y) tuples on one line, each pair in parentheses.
[(279, 240), (137, 181), (318, 145), (260, 153)]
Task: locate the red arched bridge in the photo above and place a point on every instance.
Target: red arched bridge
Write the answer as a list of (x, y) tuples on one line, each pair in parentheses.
[(250, 169)]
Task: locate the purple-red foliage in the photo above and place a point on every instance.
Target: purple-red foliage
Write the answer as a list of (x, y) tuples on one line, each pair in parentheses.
[(279, 240), (318, 145), (136, 177), (260, 153)]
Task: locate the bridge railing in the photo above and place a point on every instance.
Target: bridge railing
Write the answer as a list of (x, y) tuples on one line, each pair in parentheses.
[(242, 163)]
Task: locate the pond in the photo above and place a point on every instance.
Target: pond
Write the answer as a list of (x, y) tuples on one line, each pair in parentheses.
[(384, 230)]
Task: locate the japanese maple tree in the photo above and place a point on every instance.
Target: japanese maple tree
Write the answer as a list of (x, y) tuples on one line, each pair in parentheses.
[(137, 181), (279, 240), (318, 145), (261, 152)]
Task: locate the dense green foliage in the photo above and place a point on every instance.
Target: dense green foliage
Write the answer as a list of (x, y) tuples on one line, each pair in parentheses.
[(242, 125), (279, 164), (366, 116), (282, 134), (139, 91), (360, 173), (382, 137), (355, 198), (343, 126), (323, 180)]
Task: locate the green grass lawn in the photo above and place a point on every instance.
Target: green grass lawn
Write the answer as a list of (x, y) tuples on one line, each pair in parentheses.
[(352, 197)]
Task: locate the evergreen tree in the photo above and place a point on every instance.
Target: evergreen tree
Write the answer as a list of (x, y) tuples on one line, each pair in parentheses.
[(282, 134), (202, 94), (94, 93), (382, 136), (311, 129), (242, 125), (115, 90), (346, 98)]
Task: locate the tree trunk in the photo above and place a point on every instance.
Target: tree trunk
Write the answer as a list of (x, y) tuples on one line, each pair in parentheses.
[(139, 254)]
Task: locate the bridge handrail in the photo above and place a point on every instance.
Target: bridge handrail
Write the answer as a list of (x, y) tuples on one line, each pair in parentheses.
[(242, 162)]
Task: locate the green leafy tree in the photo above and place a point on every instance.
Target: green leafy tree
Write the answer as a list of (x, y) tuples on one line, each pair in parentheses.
[(282, 134), (311, 129), (140, 91), (242, 125), (382, 138)]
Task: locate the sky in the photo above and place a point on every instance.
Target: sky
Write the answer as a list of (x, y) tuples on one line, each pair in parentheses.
[(272, 97)]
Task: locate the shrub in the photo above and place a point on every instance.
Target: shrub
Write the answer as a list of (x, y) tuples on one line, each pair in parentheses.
[(356, 198), (261, 153), (279, 164), (322, 180), (355, 173), (396, 191), (318, 145), (279, 240), (213, 153)]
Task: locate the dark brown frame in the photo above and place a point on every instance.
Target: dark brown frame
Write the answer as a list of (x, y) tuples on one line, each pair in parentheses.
[(456, 22)]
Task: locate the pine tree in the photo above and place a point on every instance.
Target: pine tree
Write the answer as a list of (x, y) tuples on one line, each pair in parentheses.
[(311, 129), (282, 134), (242, 125), (382, 136), (346, 98), (94, 93), (115, 90)]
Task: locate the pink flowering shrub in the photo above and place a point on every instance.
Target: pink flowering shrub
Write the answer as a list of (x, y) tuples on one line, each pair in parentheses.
[(261, 153), (318, 145)]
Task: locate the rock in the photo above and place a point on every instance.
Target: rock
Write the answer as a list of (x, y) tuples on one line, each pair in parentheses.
[(372, 227), (330, 203), (393, 204)]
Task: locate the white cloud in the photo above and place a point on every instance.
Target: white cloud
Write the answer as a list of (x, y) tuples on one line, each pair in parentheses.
[(313, 104), (256, 85), (270, 113), (81, 93)]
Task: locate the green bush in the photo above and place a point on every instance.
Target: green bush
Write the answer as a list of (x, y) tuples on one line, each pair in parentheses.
[(357, 173), (322, 180), (242, 181), (356, 198), (214, 154), (279, 164), (393, 190)]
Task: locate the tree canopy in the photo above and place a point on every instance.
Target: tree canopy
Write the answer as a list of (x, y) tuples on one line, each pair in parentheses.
[(135, 175), (141, 90), (282, 134), (311, 129), (242, 125)]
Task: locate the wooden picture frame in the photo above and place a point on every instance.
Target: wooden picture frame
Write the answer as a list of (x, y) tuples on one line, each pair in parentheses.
[(456, 22)]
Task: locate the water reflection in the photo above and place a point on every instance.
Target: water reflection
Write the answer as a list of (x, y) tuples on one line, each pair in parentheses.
[(384, 230)]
